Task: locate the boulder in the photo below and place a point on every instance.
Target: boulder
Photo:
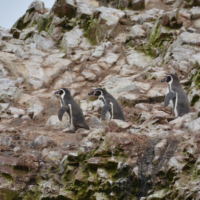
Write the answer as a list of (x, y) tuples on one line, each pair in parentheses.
[(17, 111), (53, 156), (121, 124), (109, 59), (137, 4), (43, 43), (35, 111), (26, 33), (5, 35), (138, 59), (3, 107), (158, 195), (5, 141), (38, 6), (89, 75), (64, 8), (136, 32), (54, 122), (85, 9), (71, 39), (10, 94), (103, 24), (42, 142), (95, 123)]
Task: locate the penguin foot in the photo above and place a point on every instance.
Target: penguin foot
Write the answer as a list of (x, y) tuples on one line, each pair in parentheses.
[(70, 131)]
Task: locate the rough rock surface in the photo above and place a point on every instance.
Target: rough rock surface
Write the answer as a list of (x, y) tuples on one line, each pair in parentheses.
[(126, 47)]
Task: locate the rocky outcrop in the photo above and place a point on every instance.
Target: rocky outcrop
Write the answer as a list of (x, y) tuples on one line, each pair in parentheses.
[(125, 47)]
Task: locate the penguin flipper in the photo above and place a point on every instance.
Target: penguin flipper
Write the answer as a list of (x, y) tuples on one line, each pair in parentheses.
[(169, 96), (61, 112), (104, 110)]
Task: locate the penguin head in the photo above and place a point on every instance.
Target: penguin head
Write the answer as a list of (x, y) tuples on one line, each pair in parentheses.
[(170, 78), (97, 92), (62, 92)]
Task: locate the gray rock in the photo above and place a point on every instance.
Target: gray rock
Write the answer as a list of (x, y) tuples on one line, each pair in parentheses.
[(3, 72), (11, 48), (121, 124), (26, 33), (5, 35), (189, 38), (43, 141), (157, 75), (85, 9), (138, 59), (142, 106), (193, 125), (99, 50), (66, 79), (136, 32), (25, 118), (17, 149), (100, 196), (17, 111), (54, 155), (71, 39), (38, 6), (68, 8), (109, 59), (95, 68), (5, 141), (137, 4), (195, 12), (158, 195), (54, 122), (43, 43), (95, 123), (3, 107), (10, 94), (36, 111), (160, 147), (89, 75), (117, 84), (107, 20)]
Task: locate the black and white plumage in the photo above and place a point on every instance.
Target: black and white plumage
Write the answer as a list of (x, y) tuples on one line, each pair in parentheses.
[(72, 108), (110, 104), (176, 93)]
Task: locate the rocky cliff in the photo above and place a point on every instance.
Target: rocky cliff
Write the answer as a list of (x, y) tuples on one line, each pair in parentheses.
[(126, 47)]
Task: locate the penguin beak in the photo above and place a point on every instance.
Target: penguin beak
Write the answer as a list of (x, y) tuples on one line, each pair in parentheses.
[(57, 92), (164, 80), (91, 93)]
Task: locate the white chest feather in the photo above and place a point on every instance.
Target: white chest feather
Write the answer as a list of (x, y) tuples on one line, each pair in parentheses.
[(71, 116), (175, 107)]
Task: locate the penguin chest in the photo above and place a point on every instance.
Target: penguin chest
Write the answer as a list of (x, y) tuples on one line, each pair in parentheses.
[(110, 113), (175, 102)]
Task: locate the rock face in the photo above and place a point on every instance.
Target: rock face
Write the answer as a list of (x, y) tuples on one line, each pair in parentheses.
[(125, 47)]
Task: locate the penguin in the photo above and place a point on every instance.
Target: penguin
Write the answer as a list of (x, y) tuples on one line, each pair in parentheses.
[(71, 107), (110, 104), (176, 93)]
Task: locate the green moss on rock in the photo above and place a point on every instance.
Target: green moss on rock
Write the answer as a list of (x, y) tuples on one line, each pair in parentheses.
[(7, 194)]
